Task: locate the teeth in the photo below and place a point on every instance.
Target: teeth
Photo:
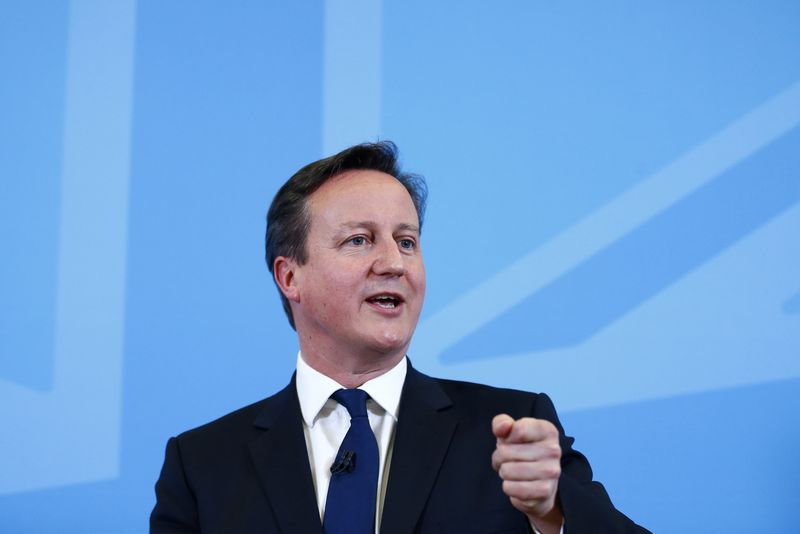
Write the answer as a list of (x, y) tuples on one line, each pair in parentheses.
[(385, 301)]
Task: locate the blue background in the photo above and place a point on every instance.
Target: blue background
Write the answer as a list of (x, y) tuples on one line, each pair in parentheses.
[(613, 219)]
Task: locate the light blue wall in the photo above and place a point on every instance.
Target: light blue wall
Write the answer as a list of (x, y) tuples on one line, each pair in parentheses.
[(613, 219)]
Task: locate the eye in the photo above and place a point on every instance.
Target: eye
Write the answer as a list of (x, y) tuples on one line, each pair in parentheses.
[(358, 240), (407, 244)]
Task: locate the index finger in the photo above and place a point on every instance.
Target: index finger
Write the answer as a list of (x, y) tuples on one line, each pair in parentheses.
[(528, 429), (501, 425)]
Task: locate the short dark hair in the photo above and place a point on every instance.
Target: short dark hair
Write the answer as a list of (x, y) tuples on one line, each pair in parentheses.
[(288, 219)]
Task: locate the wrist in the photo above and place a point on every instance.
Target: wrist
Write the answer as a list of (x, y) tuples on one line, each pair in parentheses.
[(550, 523)]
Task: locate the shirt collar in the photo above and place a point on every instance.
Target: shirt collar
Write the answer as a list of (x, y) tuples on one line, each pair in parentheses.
[(314, 389)]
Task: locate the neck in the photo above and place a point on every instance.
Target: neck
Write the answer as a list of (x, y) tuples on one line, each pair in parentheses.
[(350, 370)]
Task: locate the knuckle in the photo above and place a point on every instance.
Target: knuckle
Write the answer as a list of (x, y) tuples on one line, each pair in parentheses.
[(496, 464), (503, 471), (528, 423), (550, 429), (551, 471), (539, 490), (520, 490), (523, 505)]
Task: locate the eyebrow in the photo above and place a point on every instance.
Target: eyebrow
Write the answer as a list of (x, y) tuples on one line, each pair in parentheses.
[(368, 224)]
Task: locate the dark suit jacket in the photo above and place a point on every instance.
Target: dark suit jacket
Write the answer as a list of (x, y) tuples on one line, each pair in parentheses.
[(249, 471)]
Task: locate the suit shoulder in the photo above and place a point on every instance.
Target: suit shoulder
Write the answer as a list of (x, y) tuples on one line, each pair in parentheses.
[(483, 400), (236, 423), (236, 418), (473, 388), (485, 397)]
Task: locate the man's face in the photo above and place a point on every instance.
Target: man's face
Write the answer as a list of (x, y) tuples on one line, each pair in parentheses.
[(362, 287)]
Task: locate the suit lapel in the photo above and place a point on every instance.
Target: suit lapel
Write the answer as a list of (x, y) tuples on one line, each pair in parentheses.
[(281, 462), (424, 430)]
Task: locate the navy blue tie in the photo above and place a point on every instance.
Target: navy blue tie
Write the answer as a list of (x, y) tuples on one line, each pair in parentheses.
[(350, 505)]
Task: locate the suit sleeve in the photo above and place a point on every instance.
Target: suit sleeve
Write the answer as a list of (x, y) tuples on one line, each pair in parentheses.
[(176, 505), (584, 502)]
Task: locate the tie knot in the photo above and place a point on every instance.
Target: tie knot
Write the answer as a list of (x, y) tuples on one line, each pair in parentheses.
[(355, 400)]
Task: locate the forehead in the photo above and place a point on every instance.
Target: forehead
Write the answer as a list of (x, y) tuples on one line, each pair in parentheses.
[(362, 195)]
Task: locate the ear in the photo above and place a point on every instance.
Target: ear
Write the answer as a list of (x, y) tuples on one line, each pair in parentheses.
[(284, 270)]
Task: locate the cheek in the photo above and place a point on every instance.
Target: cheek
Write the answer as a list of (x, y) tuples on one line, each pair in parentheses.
[(419, 280), (336, 290)]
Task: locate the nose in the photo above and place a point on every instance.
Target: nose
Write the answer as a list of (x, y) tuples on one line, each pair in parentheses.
[(389, 259)]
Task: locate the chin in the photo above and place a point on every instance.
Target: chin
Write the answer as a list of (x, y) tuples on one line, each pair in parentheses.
[(389, 342)]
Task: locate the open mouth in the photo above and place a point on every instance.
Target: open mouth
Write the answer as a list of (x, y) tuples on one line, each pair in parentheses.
[(386, 301)]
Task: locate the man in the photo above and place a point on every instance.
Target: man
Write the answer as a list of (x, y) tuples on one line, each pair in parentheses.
[(360, 441)]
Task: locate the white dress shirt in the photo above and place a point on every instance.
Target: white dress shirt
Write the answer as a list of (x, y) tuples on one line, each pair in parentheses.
[(325, 423)]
